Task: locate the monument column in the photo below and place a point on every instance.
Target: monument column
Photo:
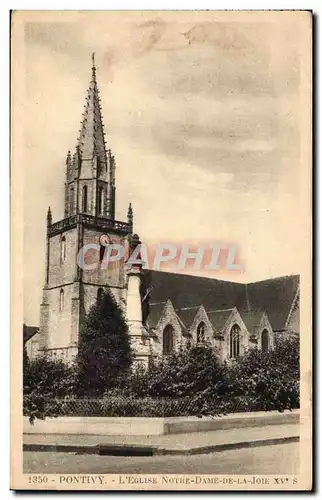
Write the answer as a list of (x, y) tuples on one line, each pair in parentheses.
[(140, 340), (133, 303)]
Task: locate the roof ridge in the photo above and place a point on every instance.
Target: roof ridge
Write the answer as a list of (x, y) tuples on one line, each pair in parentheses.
[(295, 275), (221, 310), (206, 278), (187, 308), (209, 278)]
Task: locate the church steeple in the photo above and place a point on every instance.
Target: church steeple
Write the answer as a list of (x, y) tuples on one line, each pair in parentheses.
[(91, 138), (70, 290), (90, 174)]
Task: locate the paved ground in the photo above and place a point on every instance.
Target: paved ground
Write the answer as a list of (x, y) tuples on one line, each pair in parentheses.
[(171, 441), (277, 459)]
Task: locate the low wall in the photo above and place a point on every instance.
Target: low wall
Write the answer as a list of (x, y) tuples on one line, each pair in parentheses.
[(138, 426), (100, 426), (233, 421)]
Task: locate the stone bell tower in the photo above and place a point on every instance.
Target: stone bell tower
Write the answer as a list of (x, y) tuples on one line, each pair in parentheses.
[(89, 212)]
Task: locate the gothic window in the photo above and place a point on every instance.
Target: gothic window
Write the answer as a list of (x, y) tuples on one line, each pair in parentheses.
[(101, 200), (62, 249), (201, 333), (265, 340), (235, 341), (84, 206), (71, 201), (168, 339), (100, 293), (61, 300)]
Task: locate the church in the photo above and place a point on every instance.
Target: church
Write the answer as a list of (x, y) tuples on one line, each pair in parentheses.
[(164, 310)]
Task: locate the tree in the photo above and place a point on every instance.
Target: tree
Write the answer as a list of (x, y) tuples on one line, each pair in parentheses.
[(45, 379), (104, 353)]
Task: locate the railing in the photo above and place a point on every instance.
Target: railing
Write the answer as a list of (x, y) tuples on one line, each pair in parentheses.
[(120, 406), (101, 222)]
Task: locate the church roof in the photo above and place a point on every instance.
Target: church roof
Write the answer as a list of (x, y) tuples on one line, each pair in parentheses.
[(155, 313), (274, 296), (187, 315), (251, 319), (29, 332), (219, 318), (190, 291), (186, 292)]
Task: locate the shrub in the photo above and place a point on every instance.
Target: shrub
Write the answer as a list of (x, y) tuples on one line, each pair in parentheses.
[(186, 373), (271, 379)]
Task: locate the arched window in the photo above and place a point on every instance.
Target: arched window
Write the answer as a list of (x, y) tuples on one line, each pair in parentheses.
[(61, 300), (265, 340), (168, 339), (84, 205), (71, 200), (235, 341), (100, 293), (62, 249), (100, 200), (201, 333)]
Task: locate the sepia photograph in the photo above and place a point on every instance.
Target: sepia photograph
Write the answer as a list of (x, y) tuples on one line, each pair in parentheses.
[(161, 179)]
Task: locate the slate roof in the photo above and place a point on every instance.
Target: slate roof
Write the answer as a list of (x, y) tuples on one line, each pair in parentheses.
[(219, 318), (155, 312), (28, 332), (187, 315), (188, 291), (273, 296), (252, 319)]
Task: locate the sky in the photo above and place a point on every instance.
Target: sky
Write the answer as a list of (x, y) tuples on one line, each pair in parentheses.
[(202, 112)]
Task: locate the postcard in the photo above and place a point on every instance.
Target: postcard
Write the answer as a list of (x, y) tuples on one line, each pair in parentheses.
[(161, 238)]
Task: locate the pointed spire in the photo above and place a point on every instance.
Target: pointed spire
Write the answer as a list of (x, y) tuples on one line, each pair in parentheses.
[(93, 66), (68, 163), (130, 217), (49, 217), (130, 210), (91, 138)]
